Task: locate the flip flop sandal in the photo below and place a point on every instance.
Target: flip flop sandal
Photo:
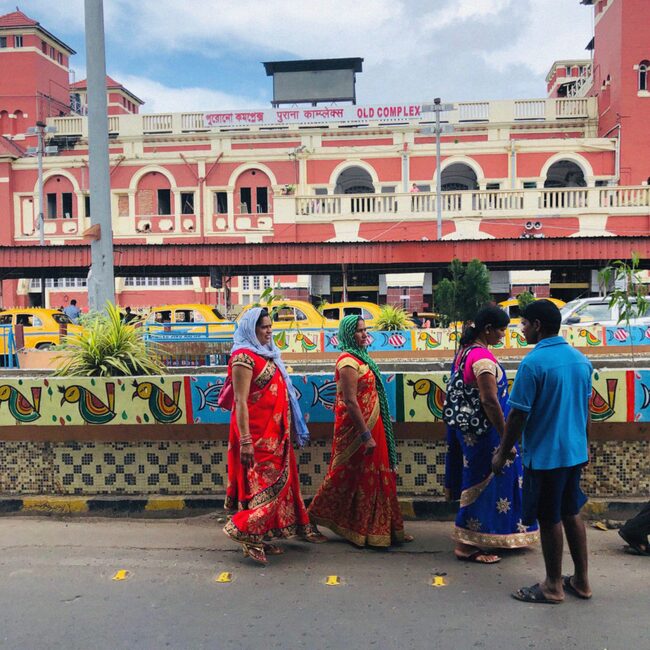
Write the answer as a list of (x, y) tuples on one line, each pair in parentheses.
[(315, 538), (570, 589), (474, 557), (273, 549), (635, 550), (255, 553), (534, 595), (634, 547)]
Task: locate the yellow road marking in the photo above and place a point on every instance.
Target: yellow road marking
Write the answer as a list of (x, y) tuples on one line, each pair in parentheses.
[(122, 574), (333, 581), (165, 504), (224, 576), (438, 581), (55, 504)]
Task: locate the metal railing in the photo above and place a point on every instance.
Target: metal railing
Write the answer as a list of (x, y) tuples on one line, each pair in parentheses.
[(8, 352)]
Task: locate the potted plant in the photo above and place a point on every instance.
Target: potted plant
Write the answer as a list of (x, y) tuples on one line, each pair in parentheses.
[(392, 318)]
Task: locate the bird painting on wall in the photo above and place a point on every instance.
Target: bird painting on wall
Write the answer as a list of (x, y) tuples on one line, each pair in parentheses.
[(21, 409), (165, 409), (91, 408)]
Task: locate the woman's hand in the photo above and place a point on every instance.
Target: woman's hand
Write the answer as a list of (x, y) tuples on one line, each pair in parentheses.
[(370, 446), (246, 455)]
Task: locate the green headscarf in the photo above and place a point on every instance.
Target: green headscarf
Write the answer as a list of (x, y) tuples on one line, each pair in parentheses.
[(347, 328)]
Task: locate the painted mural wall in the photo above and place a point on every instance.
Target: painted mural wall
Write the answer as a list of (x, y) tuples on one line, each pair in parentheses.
[(617, 396)]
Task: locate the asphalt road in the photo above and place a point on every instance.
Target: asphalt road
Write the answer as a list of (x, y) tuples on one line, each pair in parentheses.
[(57, 591)]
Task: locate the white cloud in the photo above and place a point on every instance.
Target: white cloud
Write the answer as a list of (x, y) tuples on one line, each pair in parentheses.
[(163, 99)]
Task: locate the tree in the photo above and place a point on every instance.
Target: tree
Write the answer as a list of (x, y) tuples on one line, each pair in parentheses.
[(464, 292), (524, 299)]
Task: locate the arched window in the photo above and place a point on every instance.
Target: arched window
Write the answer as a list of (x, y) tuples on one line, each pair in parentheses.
[(154, 195), (564, 173), (253, 193), (644, 68), (60, 200), (458, 177), (354, 180)]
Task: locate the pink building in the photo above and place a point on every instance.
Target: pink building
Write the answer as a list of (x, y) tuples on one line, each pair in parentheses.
[(573, 164)]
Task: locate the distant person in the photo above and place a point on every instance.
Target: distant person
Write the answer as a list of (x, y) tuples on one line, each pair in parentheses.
[(417, 321), (550, 405), (128, 315), (414, 188), (72, 311)]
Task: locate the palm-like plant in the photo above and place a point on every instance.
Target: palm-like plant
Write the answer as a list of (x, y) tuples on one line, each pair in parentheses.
[(392, 318), (108, 347)]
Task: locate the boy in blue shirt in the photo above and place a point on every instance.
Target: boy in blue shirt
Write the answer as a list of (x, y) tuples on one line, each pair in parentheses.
[(550, 406)]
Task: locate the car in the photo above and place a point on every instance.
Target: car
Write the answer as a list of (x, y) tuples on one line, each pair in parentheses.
[(294, 314), (367, 310), (189, 318), (511, 307), (596, 311), (41, 327)]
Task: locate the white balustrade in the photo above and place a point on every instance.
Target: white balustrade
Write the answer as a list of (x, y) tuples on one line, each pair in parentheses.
[(530, 109), (474, 111), (487, 200), (192, 122), (562, 199), (69, 125), (157, 123), (625, 197), (571, 108)]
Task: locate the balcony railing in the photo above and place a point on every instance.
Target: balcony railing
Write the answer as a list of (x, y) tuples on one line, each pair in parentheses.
[(502, 111), (533, 202)]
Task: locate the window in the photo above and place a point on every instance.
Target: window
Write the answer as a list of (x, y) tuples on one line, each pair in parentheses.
[(262, 197), (221, 202), (388, 189), (66, 205), (594, 312), (51, 206), (331, 314), (245, 283), (644, 68), (267, 281), (87, 205), (256, 282), (187, 202), (493, 186), (44, 47), (245, 200), (530, 185), (3, 41), (5, 320), (320, 191), (60, 58), (164, 202), (18, 40)]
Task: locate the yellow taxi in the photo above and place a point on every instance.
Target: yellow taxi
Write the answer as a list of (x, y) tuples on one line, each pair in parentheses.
[(188, 319), (41, 327), (367, 310), (294, 314), (511, 307)]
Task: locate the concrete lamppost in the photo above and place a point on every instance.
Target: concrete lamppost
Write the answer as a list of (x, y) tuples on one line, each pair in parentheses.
[(39, 131), (437, 107), (101, 279)]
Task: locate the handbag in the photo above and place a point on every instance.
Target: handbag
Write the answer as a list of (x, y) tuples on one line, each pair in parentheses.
[(226, 399), (462, 408)]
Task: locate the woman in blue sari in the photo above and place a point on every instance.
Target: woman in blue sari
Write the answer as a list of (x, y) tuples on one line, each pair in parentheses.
[(490, 505)]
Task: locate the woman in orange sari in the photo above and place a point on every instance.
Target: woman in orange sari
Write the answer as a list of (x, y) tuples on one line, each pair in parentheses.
[(263, 483), (358, 498)]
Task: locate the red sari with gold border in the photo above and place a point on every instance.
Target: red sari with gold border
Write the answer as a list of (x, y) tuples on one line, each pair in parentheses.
[(266, 495), (358, 498)]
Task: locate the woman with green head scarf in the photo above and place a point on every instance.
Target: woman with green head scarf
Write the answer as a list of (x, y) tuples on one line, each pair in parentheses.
[(358, 498)]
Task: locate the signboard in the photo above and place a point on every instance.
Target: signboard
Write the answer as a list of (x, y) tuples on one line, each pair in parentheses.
[(314, 115)]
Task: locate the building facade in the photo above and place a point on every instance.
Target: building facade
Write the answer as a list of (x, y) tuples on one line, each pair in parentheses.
[(573, 164)]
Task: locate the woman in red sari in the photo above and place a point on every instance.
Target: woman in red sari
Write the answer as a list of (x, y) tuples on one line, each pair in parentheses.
[(263, 483), (358, 498)]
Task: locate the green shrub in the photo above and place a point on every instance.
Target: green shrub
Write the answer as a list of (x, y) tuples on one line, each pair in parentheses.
[(107, 347), (392, 318)]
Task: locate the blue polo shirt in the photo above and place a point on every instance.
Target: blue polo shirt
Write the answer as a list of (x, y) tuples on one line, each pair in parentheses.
[(553, 385)]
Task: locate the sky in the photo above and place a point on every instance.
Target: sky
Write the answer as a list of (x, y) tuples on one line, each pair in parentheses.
[(205, 55)]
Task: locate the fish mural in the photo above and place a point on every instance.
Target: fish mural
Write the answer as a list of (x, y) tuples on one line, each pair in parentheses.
[(621, 335), (91, 408), (333, 340), (602, 408), (435, 395), (591, 338), (325, 394), (519, 339), (165, 409), (430, 341), (646, 396), (394, 339), (19, 406), (209, 396)]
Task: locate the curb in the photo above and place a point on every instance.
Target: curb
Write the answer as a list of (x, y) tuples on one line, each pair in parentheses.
[(187, 506)]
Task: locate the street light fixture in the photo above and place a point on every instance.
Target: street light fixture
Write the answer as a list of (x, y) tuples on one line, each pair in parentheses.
[(39, 131), (438, 107)]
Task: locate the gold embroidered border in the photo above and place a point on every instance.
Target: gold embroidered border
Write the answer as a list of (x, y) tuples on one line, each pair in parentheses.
[(355, 441), (513, 540), (468, 496), (266, 374), (356, 538), (293, 530)]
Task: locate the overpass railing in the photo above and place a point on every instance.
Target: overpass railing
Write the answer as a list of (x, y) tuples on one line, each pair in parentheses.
[(8, 352)]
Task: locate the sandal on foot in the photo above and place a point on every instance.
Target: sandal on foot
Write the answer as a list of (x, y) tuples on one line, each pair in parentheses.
[(570, 589), (255, 553), (408, 538), (634, 547), (273, 549), (534, 595), (474, 557), (315, 538)]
